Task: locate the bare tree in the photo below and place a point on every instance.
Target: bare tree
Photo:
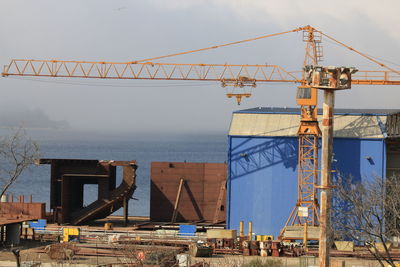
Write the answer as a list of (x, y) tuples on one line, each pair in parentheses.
[(17, 153), (368, 212)]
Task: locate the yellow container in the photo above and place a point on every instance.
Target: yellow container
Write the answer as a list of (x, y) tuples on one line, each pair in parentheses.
[(70, 234), (108, 226), (264, 237)]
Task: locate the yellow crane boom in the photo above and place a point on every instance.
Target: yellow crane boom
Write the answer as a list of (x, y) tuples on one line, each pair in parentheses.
[(224, 73)]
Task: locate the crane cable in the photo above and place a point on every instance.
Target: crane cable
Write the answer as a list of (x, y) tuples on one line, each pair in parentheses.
[(360, 53), (271, 35), (217, 46)]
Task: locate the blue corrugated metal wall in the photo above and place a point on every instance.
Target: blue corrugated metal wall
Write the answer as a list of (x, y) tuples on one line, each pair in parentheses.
[(262, 179), (359, 158)]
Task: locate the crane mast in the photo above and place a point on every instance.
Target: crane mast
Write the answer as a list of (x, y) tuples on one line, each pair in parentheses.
[(306, 209)]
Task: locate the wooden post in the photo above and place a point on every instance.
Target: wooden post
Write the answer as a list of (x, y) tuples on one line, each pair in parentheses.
[(177, 200), (326, 172), (219, 201)]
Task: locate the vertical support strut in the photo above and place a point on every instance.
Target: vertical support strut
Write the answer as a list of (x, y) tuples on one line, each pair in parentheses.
[(326, 173), (126, 212), (177, 200), (219, 201)]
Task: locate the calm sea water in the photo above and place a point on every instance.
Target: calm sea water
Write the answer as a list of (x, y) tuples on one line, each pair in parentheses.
[(190, 148)]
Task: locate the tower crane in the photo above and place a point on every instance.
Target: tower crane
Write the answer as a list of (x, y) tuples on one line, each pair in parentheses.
[(239, 76)]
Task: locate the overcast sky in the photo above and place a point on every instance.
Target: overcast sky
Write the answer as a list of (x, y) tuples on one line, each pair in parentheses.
[(125, 30)]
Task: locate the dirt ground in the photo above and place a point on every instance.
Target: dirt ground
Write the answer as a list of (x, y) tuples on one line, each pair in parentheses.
[(228, 261), (29, 253)]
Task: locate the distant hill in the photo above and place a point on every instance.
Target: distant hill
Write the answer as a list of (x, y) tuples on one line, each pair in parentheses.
[(26, 118)]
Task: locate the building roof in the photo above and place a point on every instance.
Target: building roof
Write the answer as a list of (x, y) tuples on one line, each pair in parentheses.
[(339, 111), (348, 123)]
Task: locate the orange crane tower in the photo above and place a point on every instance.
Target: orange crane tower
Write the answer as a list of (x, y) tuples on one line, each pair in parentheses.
[(238, 76), (308, 132)]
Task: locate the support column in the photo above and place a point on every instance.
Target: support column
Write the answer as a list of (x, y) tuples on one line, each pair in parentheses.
[(241, 228), (250, 230), (2, 239), (325, 236), (126, 211)]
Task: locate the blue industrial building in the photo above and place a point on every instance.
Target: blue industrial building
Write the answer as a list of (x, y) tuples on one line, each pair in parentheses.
[(263, 147)]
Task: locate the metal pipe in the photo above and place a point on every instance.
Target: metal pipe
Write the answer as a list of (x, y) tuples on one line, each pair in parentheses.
[(250, 230), (326, 172), (305, 237), (241, 228)]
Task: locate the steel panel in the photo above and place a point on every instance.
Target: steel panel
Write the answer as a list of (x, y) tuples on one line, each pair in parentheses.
[(262, 177), (199, 194)]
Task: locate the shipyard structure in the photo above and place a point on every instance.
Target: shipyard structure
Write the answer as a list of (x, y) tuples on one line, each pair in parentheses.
[(263, 159)]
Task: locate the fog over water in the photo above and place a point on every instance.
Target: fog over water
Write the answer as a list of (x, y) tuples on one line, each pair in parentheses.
[(128, 30)]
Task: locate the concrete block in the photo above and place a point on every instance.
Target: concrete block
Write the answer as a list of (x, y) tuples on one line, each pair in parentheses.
[(379, 246), (337, 263), (297, 232), (344, 245), (217, 233)]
